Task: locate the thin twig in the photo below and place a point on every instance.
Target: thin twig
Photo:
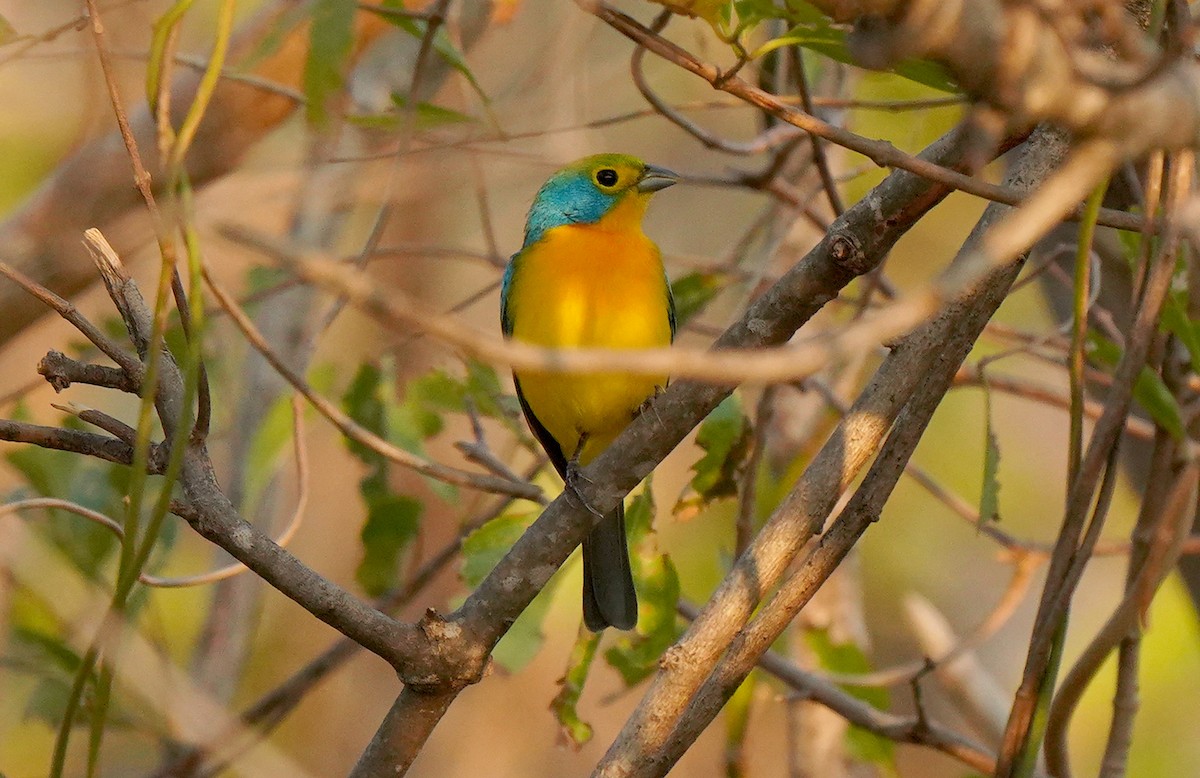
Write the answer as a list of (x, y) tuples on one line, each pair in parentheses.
[(351, 428), (1069, 559), (860, 713), (881, 153)]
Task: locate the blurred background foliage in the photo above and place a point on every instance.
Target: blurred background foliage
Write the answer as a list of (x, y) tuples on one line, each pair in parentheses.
[(519, 105)]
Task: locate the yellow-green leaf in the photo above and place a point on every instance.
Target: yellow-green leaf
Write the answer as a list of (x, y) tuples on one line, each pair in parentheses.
[(393, 521), (737, 724), (712, 11), (989, 493), (486, 546), (847, 658), (694, 291), (636, 654), (1149, 391), (330, 41), (725, 439), (1176, 321), (8, 33), (815, 31), (481, 550), (573, 729)]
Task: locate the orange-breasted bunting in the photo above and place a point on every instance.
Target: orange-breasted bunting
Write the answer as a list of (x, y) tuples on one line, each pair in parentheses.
[(588, 277)]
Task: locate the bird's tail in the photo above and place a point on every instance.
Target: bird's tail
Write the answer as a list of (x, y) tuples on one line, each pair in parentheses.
[(609, 599)]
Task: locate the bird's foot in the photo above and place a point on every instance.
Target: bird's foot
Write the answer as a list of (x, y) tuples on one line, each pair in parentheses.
[(574, 479), (648, 403)]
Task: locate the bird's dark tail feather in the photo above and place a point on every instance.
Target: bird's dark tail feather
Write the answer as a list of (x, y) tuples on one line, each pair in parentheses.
[(609, 599)]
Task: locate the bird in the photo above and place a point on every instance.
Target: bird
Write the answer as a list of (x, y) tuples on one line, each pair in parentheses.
[(587, 276)]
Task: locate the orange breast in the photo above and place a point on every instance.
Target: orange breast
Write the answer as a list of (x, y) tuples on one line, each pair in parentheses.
[(588, 286)]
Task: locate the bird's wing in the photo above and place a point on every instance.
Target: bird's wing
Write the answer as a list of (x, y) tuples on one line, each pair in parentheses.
[(506, 324), (670, 307), (552, 447)]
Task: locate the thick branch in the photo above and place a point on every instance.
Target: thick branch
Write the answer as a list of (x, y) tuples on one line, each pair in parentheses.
[(1015, 57)]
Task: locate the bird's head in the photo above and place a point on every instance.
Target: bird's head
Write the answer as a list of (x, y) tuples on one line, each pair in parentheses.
[(586, 191)]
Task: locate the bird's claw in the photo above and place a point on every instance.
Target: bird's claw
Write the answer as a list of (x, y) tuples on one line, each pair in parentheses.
[(648, 403), (573, 480)]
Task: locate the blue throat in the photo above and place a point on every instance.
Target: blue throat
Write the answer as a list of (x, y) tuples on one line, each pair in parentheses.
[(567, 198)]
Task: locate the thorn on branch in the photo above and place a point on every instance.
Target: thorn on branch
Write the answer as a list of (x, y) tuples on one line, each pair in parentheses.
[(724, 76)]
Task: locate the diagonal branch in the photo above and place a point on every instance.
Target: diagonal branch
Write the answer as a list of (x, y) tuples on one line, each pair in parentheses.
[(683, 697), (855, 244)]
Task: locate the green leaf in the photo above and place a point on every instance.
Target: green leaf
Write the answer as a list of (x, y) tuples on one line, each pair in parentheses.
[(8, 33), (280, 29), (694, 291), (525, 638), (573, 729), (442, 44), (371, 400), (845, 659), (863, 745), (393, 521), (989, 494), (330, 40), (261, 278), (1131, 242), (361, 401), (1149, 391), (54, 663), (481, 550), (848, 659), (91, 483), (725, 439), (266, 446), (47, 471), (409, 422), (751, 12), (815, 31), (1176, 321), (427, 115), (635, 655), (483, 390), (737, 723), (1158, 401), (486, 546), (41, 650), (48, 703)]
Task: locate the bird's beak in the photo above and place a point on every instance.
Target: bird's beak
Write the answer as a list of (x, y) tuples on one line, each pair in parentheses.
[(655, 178)]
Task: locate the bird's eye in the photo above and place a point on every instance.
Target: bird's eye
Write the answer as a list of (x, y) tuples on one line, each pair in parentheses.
[(606, 177)]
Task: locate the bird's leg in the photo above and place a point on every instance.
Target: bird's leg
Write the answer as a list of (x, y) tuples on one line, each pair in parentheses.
[(648, 403), (574, 477)]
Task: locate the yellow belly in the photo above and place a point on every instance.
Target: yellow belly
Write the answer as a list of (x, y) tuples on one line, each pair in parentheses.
[(583, 286)]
